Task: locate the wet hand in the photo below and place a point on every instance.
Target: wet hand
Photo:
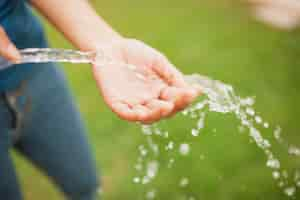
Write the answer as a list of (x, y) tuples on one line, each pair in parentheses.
[(140, 84)]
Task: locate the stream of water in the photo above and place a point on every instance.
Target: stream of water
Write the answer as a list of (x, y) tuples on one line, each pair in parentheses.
[(221, 98)]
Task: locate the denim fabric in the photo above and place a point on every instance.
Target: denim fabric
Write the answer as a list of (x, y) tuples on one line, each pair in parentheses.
[(40, 120), (25, 31), (6, 6)]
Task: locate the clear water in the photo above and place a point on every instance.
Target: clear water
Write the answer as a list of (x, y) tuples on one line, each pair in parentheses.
[(221, 98)]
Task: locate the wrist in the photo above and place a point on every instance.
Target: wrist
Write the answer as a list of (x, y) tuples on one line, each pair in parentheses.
[(108, 40)]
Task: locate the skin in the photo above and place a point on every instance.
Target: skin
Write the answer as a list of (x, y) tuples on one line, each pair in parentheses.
[(154, 89)]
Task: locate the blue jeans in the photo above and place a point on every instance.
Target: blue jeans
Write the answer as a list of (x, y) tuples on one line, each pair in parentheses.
[(40, 120)]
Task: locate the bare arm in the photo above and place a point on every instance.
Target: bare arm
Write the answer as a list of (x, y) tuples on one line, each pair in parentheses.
[(159, 90), (77, 21)]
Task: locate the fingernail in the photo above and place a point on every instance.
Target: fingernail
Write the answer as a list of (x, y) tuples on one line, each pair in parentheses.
[(13, 52)]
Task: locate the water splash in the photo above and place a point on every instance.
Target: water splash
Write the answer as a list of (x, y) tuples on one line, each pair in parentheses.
[(183, 182), (221, 98)]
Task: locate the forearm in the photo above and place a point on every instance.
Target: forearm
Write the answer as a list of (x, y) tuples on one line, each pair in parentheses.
[(77, 20)]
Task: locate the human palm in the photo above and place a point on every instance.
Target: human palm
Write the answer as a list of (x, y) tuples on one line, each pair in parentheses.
[(139, 84)]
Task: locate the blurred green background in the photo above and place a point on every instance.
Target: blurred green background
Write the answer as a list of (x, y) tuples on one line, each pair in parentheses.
[(217, 38)]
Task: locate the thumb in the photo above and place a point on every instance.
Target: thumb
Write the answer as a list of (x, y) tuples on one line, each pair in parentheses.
[(7, 48)]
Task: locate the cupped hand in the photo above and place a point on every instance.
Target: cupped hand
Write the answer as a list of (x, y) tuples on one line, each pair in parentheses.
[(139, 84)]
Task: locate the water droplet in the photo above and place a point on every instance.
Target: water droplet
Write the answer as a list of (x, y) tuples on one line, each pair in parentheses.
[(222, 98), (145, 180), (255, 134), (276, 175), (250, 111), (200, 123), (153, 146), (293, 150), (185, 112), (266, 125), (171, 162), (273, 163), (245, 123), (143, 151), (184, 149), (258, 119), (157, 131), (170, 145), (146, 129), (184, 182), (151, 194), (249, 101), (152, 168), (277, 133), (195, 132), (166, 134), (290, 191), (193, 115), (136, 179), (201, 105), (191, 198)]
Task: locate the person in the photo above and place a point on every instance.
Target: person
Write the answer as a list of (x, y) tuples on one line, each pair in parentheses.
[(281, 14), (37, 114)]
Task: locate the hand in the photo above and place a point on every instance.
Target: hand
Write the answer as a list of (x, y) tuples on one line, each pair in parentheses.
[(7, 48), (140, 84)]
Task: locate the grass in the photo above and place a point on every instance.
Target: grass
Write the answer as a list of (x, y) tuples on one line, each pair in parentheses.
[(215, 38)]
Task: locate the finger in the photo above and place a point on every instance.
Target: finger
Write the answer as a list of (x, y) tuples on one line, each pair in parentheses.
[(198, 89), (154, 114), (158, 110), (142, 112), (165, 107), (170, 94), (7, 48), (189, 95), (168, 71), (124, 111), (181, 97)]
